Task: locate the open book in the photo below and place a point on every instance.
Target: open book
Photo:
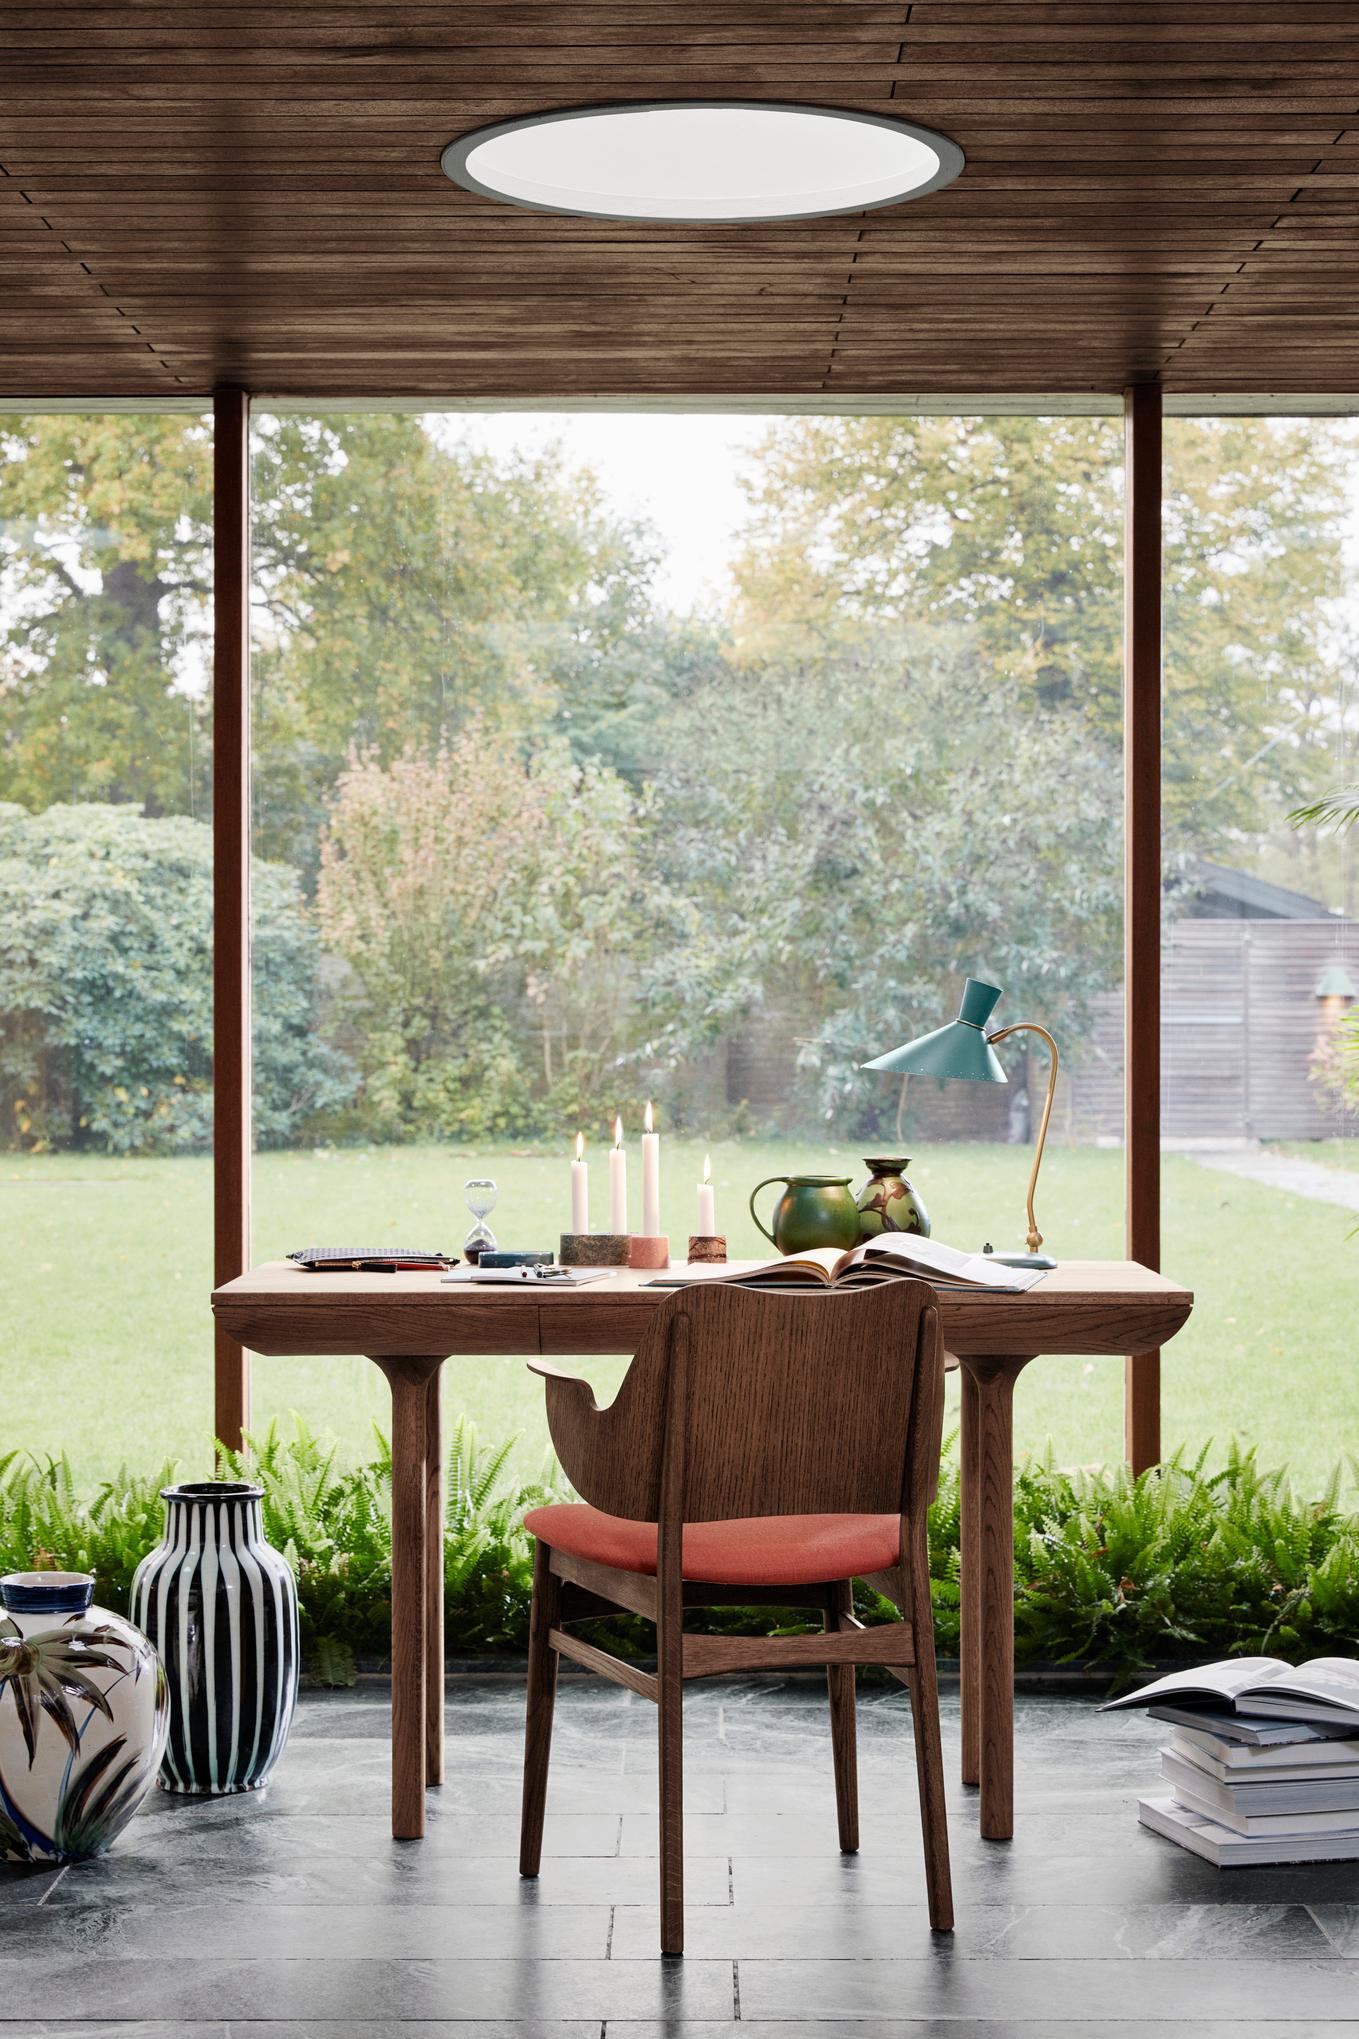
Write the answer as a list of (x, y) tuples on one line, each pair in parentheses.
[(887, 1258), (1325, 1689)]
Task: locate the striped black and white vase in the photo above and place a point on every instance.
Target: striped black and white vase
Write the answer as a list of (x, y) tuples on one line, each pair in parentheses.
[(220, 1605)]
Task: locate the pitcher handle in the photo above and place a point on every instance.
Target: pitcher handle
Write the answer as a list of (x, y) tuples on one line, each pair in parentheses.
[(755, 1214)]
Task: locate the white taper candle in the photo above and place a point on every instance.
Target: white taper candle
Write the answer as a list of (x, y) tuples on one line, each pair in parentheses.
[(651, 1178), (580, 1188), (618, 1181), (707, 1202)]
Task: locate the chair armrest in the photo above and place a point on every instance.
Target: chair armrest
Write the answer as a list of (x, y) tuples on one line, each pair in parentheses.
[(546, 1371), (573, 1422)]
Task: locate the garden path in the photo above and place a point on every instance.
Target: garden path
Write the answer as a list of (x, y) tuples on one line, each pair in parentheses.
[(1283, 1171)]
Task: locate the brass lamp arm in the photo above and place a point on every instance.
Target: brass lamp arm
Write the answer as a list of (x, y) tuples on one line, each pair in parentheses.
[(1031, 1027)]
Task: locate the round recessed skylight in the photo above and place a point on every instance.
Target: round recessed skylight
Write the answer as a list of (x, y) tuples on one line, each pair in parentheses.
[(702, 160)]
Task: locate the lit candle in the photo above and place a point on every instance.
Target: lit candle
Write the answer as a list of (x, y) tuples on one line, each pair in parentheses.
[(651, 1178), (618, 1181), (580, 1188), (707, 1202)]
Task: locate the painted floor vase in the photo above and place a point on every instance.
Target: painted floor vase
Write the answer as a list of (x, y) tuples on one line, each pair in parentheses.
[(84, 1711), (220, 1605)]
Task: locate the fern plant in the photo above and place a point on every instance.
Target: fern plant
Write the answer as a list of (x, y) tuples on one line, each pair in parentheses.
[(1182, 1563)]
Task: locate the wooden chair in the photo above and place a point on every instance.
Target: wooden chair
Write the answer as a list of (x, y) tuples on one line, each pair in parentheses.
[(763, 1449)]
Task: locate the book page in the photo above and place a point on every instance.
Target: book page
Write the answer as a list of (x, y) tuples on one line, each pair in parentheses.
[(1227, 1680), (950, 1263), (1333, 1681)]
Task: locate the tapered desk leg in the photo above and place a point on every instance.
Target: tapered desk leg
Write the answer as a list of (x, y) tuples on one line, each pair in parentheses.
[(969, 1643), (434, 1579), (991, 1477), (409, 1380)]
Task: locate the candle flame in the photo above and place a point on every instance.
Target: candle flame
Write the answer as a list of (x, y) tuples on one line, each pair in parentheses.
[(648, 1124), (707, 1168), (580, 1146), (618, 1130)]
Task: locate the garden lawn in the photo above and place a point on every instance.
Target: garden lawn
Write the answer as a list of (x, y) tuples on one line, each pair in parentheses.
[(105, 1268), (1342, 1152)]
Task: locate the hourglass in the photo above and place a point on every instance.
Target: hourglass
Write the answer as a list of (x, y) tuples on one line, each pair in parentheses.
[(480, 1194)]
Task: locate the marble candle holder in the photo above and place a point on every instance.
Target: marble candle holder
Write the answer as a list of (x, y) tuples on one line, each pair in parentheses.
[(648, 1250), (594, 1249)]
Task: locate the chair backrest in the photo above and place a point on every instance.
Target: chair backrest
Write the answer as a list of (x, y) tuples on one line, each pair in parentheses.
[(776, 1404)]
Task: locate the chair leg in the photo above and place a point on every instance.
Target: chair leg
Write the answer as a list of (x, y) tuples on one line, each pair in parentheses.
[(542, 1692), (840, 1687), (670, 1731), (923, 1686)]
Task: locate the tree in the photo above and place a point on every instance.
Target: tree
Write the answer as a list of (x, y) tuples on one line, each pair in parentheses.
[(484, 903), (106, 572), (404, 582), (411, 585), (852, 837), (1011, 528), (106, 987)]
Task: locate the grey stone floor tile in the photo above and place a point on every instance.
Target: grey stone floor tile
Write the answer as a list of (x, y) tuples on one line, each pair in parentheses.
[(258, 1840), (908, 2026), (294, 1912), (901, 1932), (339, 1989), (22, 1887), (1139, 1868), (1340, 1922), (1045, 1992), (311, 1932), (422, 2028), (365, 1813), (141, 2028), (812, 1830), (409, 1874), (419, 2028)]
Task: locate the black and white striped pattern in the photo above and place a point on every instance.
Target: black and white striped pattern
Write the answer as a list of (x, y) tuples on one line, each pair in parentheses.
[(220, 1605)]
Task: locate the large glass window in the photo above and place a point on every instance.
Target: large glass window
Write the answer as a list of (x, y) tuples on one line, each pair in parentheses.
[(692, 760), (1260, 1174), (105, 939), (606, 759)]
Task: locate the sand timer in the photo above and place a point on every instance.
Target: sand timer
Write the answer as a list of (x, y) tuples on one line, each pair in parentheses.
[(480, 1194)]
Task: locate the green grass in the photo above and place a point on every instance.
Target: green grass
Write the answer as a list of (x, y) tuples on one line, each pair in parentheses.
[(105, 1270), (1340, 1153)]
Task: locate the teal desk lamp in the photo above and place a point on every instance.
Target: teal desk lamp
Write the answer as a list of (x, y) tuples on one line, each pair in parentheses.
[(964, 1049)]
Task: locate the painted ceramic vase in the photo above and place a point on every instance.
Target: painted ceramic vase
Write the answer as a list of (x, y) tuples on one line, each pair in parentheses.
[(83, 1718), (220, 1605), (814, 1210), (887, 1202)]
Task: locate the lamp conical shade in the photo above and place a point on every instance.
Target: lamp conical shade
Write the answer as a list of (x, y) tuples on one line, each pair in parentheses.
[(960, 1049)]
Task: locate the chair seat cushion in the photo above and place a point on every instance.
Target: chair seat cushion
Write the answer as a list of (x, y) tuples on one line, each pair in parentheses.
[(762, 1550)]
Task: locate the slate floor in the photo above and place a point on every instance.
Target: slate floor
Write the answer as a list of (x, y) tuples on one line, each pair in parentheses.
[(294, 1913)]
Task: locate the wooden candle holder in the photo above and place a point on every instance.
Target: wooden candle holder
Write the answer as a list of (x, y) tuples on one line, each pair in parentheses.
[(648, 1250), (594, 1249), (710, 1246)]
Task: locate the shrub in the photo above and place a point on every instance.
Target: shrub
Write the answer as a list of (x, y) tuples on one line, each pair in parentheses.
[(332, 1522), (1179, 1564), (106, 986)]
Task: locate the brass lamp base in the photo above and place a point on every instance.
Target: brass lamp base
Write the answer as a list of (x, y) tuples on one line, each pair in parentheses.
[(1039, 1260)]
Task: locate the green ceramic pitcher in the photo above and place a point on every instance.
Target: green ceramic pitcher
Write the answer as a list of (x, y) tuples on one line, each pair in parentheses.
[(814, 1210)]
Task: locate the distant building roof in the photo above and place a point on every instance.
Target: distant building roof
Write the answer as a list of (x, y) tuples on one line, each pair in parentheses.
[(1217, 892)]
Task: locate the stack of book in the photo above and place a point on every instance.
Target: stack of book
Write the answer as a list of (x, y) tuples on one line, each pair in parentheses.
[(1262, 1761)]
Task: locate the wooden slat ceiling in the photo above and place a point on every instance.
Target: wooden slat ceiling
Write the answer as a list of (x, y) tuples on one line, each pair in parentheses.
[(195, 193)]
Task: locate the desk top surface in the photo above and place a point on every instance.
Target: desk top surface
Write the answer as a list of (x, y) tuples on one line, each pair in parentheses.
[(1096, 1306)]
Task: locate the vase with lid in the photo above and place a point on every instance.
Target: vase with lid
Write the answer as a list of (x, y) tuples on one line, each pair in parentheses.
[(220, 1604), (83, 1718)]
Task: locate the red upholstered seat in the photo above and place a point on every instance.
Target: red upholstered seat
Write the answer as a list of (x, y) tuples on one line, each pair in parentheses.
[(763, 1550)]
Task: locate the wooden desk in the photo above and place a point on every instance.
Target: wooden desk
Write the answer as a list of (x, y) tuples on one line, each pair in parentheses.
[(408, 1324)]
